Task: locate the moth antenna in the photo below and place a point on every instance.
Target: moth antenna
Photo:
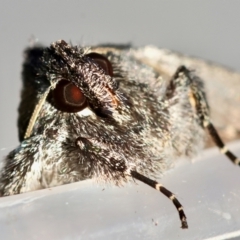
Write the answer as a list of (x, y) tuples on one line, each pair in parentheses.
[(218, 141), (166, 192), (198, 101), (36, 112)]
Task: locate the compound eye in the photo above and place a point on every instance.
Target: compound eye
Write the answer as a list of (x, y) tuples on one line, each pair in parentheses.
[(68, 97), (103, 62)]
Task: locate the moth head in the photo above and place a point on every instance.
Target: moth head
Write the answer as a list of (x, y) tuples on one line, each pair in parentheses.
[(81, 80), (73, 79)]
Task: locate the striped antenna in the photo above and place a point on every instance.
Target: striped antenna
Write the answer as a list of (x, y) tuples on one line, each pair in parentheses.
[(218, 141), (166, 192)]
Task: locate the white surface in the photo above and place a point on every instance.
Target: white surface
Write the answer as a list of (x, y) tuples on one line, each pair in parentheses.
[(207, 29), (208, 189)]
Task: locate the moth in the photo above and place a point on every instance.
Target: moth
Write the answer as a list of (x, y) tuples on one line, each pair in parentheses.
[(104, 112)]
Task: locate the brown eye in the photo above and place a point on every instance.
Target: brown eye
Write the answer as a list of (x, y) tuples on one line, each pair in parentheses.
[(68, 97), (103, 62)]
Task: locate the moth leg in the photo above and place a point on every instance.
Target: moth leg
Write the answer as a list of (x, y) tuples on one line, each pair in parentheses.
[(164, 191), (198, 101)]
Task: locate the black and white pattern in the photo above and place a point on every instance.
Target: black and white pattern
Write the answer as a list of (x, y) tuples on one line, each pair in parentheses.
[(101, 113)]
